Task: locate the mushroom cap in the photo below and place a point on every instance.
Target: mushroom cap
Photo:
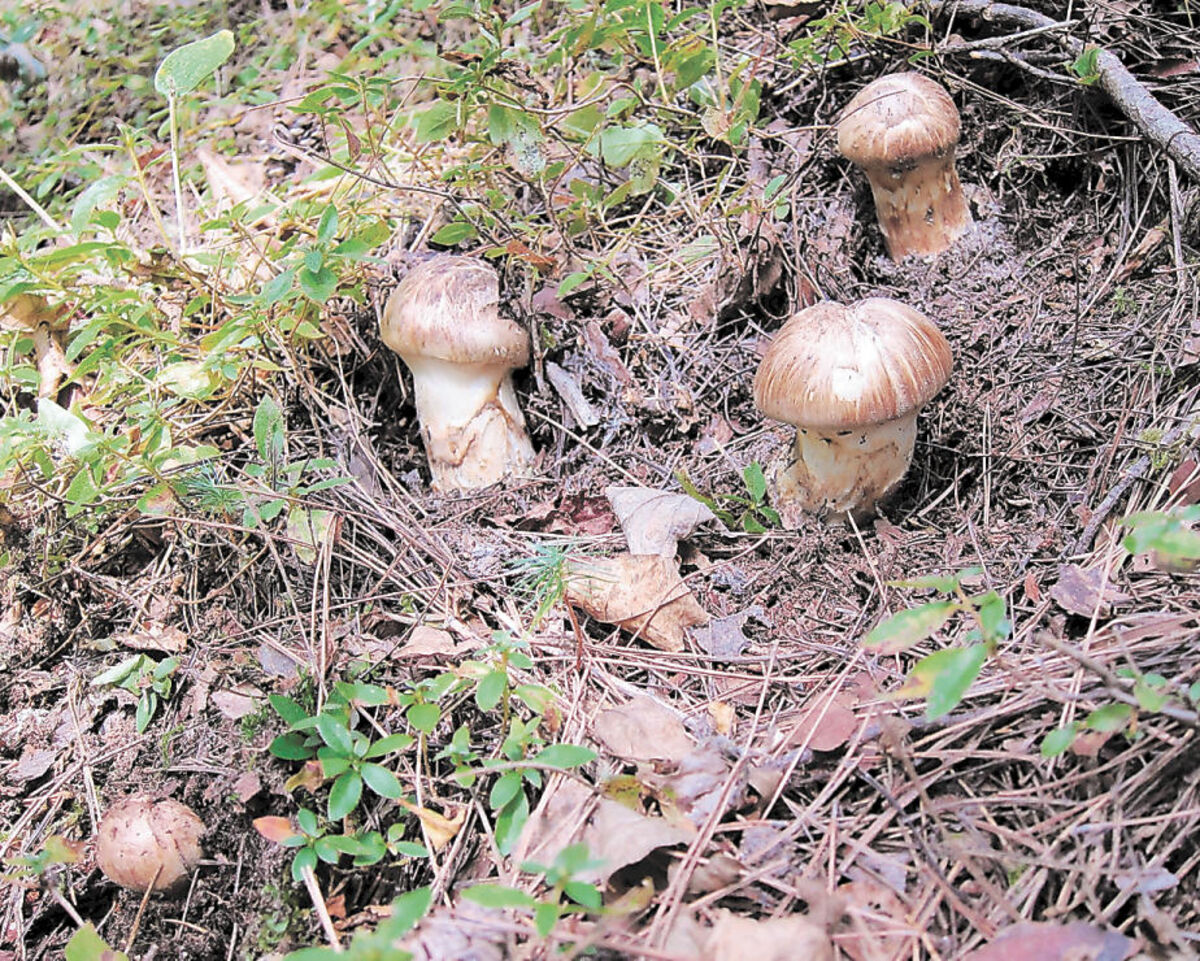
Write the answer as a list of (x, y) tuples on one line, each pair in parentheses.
[(142, 841), (897, 120), (448, 308), (836, 367)]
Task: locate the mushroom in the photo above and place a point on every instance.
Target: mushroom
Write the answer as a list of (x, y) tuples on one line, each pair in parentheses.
[(902, 130), (444, 321), (852, 379), (146, 844), (31, 313)]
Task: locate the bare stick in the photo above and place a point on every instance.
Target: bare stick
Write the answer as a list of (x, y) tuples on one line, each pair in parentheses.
[(1156, 122), (318, 900)]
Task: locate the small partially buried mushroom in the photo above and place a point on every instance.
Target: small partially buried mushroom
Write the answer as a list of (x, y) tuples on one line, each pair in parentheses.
[(902, 130), (147, 844), (852, 379), (444, 321)]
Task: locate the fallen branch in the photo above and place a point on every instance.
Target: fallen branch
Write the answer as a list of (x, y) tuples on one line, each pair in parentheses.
[(1156, 122)]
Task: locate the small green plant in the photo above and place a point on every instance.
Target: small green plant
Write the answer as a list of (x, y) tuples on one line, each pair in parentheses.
[(142, 675), (749, 512), (1171, 537), (567, 894), (87, 945), (1086, 67), (382, 944), (944, 676)]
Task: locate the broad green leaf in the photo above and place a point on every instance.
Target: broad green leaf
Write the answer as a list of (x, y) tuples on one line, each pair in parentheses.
[(585, 894), (943, 583), (391, 744), (269, 437), (565, 756), (437, 122), (345, 795), (291, 747), (505, 789), (87, 945), (308, 822), (1059, 740), (545, 916), (305, 858), (454, 232), (287, 708), (901, 631), (424, 717), (336, 734), (382, 781), (950, 673), (510, 822), (490, 689), (1148, 698), (1111, 717), (756, 482), (407, 910), (498, 896), (186, 67), (619, 145)]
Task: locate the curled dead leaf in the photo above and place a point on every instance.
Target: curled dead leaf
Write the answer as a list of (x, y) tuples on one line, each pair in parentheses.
[(654, 521), (644, 595)]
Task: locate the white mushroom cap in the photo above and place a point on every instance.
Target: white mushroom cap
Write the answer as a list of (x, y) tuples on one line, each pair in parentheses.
[(902, 130), (444, 321), (143, 842), (840, 367), (447, 308)]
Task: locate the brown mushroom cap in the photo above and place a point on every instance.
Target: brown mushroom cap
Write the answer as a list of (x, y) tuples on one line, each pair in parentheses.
[(447, 308), (896, 121), (836, 367), (144, 842)]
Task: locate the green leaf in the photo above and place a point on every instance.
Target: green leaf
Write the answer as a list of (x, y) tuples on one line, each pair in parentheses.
[(437, 122), (308, 822), (756, 482), (87, 945), (901, 631), (278, 287), (186, 67), (1059, 740), (382, 781), (951, 672), (345, 795), (328, 225), (319, 285), (291, 747), (336, 734), (288, 709), (269, 438), (565, 756), (571, 281), (505, 789), (305, 858), (407, 910), (490, 690), (587, 895), (510, 822), (994, 625), (424, 717), (545, 916), (619, 145), (1148, 698), (1111, 717), (393, 743), (454, 232), (499, 896)]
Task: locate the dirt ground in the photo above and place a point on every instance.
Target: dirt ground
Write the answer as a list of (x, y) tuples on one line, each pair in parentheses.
[(1072, 310)]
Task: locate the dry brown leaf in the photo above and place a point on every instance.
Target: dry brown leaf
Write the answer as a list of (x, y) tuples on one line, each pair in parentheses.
[(697, 785), (824, 724), (644, 595), (440, 830), (722, 637), (235, 704), (615, 835), (654, 521), (1044, 941), (642, 729), (153, 636), (231, 183), (427, 642), (1085, 591), (247, 785), (733, 938)]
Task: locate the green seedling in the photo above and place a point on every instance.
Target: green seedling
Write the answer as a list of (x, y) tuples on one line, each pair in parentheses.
[(142, 675), (749, 512), (944, 676)]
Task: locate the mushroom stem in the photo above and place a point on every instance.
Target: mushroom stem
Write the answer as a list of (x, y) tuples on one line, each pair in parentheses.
[(473, 429), (840, 472), (921, 209)]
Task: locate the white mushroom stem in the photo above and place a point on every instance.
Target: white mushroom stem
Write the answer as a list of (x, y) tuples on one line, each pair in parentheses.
[(838, 472), (921, 207), (473, 429)]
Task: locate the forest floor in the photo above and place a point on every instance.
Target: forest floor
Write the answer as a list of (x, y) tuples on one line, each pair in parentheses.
[(221, 507)]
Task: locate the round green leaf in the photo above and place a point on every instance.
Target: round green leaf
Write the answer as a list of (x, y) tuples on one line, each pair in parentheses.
[(345, 794), (184, 68), (382, 781)]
